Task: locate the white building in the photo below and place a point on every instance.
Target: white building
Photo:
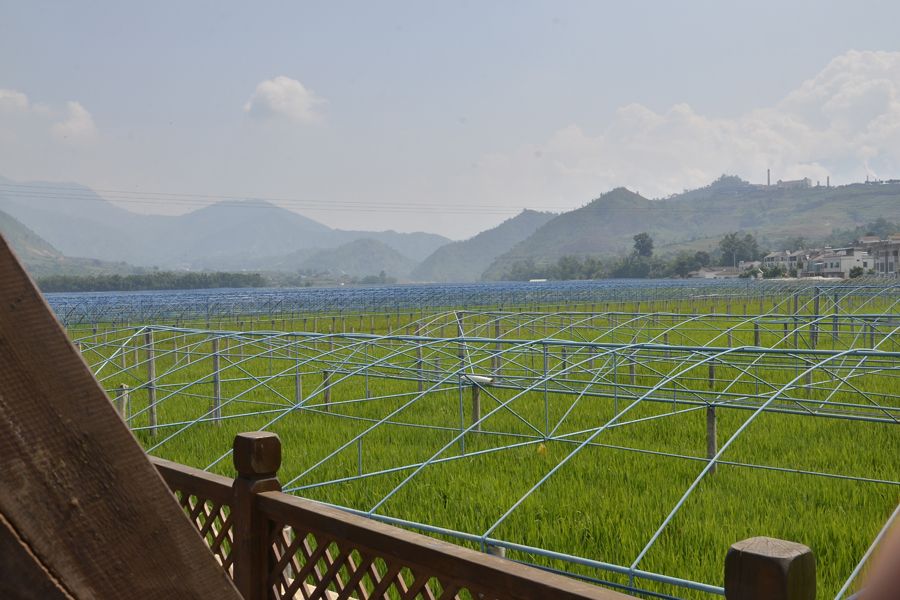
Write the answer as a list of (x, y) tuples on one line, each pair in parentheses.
[(788, 260), (804, 183), (837, 262), (885, 257), (715, 273)]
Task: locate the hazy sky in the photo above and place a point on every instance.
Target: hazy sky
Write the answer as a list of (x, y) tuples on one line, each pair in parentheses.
[(442, 116)]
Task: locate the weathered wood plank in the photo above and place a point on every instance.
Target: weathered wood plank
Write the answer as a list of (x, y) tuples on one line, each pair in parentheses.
[(451, 563), (75, 484), (22, 576), (201, 483)]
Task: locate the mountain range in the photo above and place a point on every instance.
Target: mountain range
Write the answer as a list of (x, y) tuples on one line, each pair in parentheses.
[(52, 224), (606, 226), (464, 261), (78, 222)]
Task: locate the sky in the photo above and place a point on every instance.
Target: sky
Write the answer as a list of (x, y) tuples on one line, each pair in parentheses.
[(445, 117)]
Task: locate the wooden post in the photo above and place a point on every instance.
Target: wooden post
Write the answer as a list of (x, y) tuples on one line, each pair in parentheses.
[(712, 445), (298, 386), (257, 458), (756, 334), (666, 342), (814, 327), (476, 407), (151, 382), (763, 568), (122, 397), (419, 377), (461, 349), (326, 385), (808, 379), (217, 387), (565, 360), (712, 374), (498, 361)]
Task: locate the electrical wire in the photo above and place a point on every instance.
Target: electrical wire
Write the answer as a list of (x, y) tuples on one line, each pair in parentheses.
[(197, 200)]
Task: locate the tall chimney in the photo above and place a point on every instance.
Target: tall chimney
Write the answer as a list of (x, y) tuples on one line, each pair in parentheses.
[(828, 181), (768, 177)]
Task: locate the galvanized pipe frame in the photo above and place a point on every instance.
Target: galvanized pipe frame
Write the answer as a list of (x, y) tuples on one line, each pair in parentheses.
[(651, 353), (204, 307), (400, 352)]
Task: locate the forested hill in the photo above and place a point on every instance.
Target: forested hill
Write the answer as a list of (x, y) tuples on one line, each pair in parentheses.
[(362, 257), (606, 225), (465, 261), (27, 244)]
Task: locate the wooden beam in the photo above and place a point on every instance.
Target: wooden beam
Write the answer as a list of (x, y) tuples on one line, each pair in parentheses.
[(75, 485)]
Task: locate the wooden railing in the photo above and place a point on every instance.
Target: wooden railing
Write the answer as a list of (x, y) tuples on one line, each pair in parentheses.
[(278, 546)]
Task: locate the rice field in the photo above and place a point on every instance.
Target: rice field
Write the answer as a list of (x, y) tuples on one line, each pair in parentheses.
[(576, 437)]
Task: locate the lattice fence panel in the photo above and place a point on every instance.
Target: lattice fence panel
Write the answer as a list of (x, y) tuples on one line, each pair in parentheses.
[(305, 565), (214, 522)]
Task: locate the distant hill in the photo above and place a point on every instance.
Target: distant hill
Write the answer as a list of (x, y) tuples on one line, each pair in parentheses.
[(725, 181), (42, 260), (606, 225), (464, 261), (78, 222), (26, 243), (360, 258)]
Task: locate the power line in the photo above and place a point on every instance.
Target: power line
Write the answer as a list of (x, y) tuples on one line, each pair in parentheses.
[(193, 200)]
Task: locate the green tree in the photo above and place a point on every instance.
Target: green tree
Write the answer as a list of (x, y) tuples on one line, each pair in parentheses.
[(797, 243), (592, 268), (773, 272), (643, 244), (735, 248), (857, 272), (684, 263), (568, 268), (703, 258)]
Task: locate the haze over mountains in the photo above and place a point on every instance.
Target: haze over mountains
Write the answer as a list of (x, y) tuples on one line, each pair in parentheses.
[(50, 228), (464, 261), (78, 222)]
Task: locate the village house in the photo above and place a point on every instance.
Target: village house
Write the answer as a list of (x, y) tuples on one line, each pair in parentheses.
[(836, 262), (885, 256), (786, 259)]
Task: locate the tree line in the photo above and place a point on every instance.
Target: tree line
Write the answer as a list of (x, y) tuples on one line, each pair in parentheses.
[(162, 280), (641, 263)]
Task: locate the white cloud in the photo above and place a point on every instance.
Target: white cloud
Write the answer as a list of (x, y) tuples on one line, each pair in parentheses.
[(284, 99), (78, 128), (847, 114), (12, 101), (19, 119)]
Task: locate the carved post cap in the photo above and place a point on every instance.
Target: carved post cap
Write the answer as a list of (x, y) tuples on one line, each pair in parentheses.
[(256, 453), (771, 569)]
